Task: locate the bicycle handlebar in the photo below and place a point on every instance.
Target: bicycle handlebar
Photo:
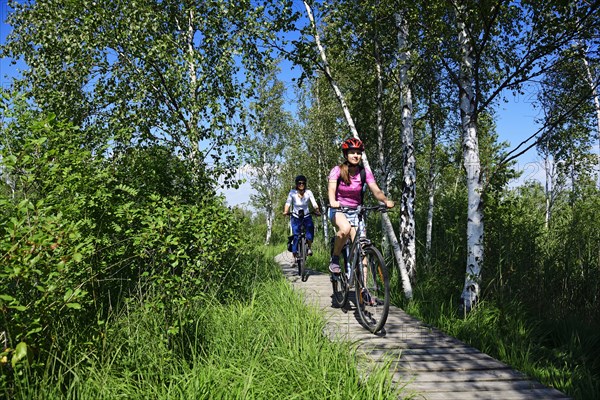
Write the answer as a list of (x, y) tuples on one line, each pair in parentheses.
[(303, 215), (360, 209)]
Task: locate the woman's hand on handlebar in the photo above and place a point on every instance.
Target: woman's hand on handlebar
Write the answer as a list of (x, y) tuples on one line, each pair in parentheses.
[(389, 204), (334, 204)]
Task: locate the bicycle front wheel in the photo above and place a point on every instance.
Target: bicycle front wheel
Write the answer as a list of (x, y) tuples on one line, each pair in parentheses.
[(301, 256), (372, 285), (340, 285)]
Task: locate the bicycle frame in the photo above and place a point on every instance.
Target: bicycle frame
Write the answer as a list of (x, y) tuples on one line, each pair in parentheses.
[(352, 247)]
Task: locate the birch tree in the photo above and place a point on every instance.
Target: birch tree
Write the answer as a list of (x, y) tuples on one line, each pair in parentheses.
[(264, 150), (471, 164), (409, 173)]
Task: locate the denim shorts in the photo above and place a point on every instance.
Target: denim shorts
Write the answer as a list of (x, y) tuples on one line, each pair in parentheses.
[(351, 215)]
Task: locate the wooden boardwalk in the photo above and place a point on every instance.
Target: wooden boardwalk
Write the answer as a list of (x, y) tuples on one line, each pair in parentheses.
[(431, 364)]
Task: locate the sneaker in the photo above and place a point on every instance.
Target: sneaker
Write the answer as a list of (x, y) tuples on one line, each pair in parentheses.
[(334, 268), (309, 252)]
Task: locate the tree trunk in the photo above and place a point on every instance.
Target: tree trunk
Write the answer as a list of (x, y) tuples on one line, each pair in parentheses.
[(472, 165), (193, 118), (407, 210), (322, 184), (548, 188), (430, 191), (270, 218), (388, 224), (322, 201)]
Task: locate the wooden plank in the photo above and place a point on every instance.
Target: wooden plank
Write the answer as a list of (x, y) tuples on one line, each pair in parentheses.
[(538, 394), (485, 389), (432, 354), (460, 376), (496, 385)]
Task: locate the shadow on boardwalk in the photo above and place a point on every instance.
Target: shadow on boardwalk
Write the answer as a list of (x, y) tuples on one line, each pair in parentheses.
[(430, 363)]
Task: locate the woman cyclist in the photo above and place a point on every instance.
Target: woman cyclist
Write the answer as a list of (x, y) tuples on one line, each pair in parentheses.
[(298, 199), (345, 190)]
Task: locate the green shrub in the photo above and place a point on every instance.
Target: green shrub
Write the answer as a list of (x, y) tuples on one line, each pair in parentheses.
[(77, 242)]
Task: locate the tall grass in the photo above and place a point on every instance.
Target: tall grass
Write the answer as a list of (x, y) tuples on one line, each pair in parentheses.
[(265, 347)]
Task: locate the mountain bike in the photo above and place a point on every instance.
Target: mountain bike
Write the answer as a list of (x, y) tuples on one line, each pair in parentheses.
[(364, 270)]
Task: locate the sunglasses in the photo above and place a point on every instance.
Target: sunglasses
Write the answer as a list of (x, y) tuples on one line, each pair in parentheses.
[(301, 183)]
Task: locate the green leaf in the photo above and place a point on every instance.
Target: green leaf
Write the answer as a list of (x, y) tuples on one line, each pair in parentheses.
[(20, 353), (40, 141), (35, 330), (75, 306)]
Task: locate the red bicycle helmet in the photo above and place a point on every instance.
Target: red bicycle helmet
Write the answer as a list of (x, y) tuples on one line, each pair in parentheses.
[(352, 144)]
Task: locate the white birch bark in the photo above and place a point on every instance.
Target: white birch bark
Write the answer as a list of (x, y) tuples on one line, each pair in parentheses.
[(338, 93), (322, 184), (407, 210), (322, 202), (407, 288), (430, 192), (472, 166), (270, 218), (548, 187), (193, 124), (267, 174)]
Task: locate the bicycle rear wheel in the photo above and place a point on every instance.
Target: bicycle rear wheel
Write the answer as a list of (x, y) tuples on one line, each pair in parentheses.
[(372, 285)]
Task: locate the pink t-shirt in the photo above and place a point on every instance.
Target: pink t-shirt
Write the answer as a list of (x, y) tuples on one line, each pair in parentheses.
[(349, 195)]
